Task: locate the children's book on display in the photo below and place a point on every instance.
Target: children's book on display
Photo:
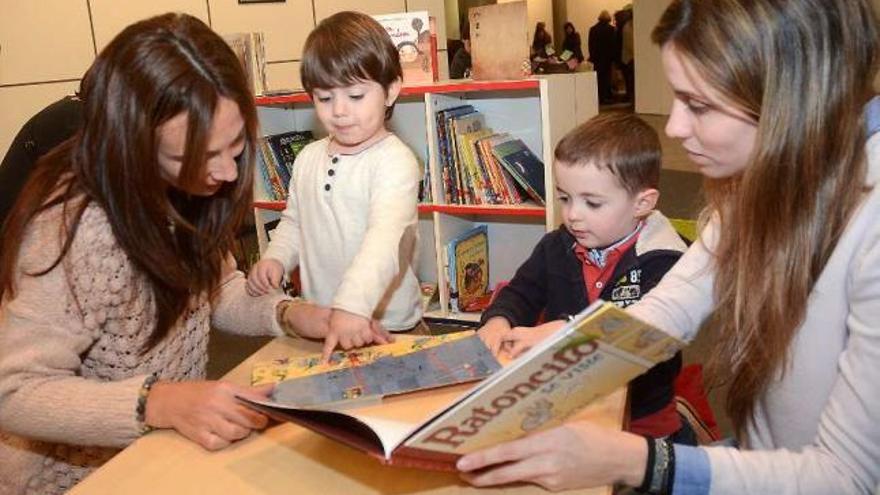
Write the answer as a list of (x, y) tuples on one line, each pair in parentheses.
[(468, 268), (523, 165), (413, 34), (597, 352)]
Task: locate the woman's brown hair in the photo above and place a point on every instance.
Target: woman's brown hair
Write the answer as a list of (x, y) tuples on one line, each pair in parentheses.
[(348, 47), (802, 70), (151, 72)]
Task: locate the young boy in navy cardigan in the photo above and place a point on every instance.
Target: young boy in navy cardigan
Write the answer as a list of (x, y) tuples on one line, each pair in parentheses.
[(613, 245)]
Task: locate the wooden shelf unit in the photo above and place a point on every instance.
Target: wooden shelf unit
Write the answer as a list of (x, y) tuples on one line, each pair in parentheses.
[(538, 110)]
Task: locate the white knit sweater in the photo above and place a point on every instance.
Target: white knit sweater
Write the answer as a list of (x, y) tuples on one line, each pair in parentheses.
[(351, 226), (70, 361), (817, 429)]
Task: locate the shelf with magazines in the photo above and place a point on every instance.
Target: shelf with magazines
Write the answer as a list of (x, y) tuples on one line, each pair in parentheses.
[(528, 116)]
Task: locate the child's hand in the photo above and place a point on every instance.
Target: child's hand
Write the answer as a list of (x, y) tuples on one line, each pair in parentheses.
[(520, 339), (264, 277), (349, 330), (493, 332), (380, 335), (308, 320)]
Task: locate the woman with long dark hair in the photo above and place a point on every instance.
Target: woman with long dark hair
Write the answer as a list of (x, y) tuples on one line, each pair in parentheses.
[(115, 263)]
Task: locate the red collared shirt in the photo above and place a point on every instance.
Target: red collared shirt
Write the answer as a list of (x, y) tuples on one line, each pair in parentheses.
[(595, 276)]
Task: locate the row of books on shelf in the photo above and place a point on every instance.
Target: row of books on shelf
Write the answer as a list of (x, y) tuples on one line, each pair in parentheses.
[(483, 167), (467, 272), (275, 159), (478, 167)]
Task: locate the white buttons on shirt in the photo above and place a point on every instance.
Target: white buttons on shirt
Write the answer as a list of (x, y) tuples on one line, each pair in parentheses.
[(598, 285)]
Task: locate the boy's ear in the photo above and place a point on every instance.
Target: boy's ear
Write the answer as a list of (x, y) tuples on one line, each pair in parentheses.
[(645, 202), (393, 92)]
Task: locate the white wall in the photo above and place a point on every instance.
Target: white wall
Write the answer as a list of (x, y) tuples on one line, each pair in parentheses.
[(453, 31), (538, 11), (48, 44), (653, 94), (877, 89), (584, 13)]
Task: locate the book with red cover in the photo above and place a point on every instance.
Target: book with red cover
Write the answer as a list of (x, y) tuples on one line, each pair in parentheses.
[(599, 351)]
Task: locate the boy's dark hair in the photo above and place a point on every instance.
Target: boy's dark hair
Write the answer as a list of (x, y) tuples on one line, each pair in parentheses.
[(621, 142), (348, 47)]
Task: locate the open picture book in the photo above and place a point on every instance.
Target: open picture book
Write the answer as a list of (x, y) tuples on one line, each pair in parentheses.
[(353, 378), (599, 351)]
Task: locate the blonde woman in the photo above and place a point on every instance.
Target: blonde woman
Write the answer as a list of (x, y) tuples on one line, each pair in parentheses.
[(773, 103)]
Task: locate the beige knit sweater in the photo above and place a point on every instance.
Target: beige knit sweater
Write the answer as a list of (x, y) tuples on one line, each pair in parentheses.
[(70, 366)]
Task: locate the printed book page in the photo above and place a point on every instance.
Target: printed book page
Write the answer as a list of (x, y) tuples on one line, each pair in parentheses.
[(601, 350), (376, 427), (287, 368), (457, 361)]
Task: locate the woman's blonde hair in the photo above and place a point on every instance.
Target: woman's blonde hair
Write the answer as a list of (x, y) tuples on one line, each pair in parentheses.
[(803, 71)]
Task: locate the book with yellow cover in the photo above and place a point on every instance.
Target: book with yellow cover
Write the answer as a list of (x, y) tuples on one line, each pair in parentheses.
[(599, 351), (278, 370), (467, 258)]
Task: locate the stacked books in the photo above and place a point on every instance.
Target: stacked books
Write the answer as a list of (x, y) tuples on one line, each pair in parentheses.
[(275, 159), (480, 166), (250, 50)]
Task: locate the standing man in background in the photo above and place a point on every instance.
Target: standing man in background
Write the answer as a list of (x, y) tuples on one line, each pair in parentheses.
[(601, 45), (625, 53)]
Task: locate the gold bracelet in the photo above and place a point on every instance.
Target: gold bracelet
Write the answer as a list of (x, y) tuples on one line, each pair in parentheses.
[(141, 407), (281, 311)]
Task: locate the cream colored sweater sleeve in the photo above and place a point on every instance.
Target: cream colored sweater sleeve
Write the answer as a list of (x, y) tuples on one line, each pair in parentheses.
[(235, 311), (41, 395)]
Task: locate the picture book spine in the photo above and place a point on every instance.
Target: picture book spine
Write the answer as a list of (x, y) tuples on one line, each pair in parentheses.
[(279, 191), (485, 152), (443, 157), (453, 283), (281, 166), (259, 63), (423, 459), (268, 189), (454, 164), (475, 174), (487, 193)]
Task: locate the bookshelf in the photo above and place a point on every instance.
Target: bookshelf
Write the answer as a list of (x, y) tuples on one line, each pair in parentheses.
[(538, 110)]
